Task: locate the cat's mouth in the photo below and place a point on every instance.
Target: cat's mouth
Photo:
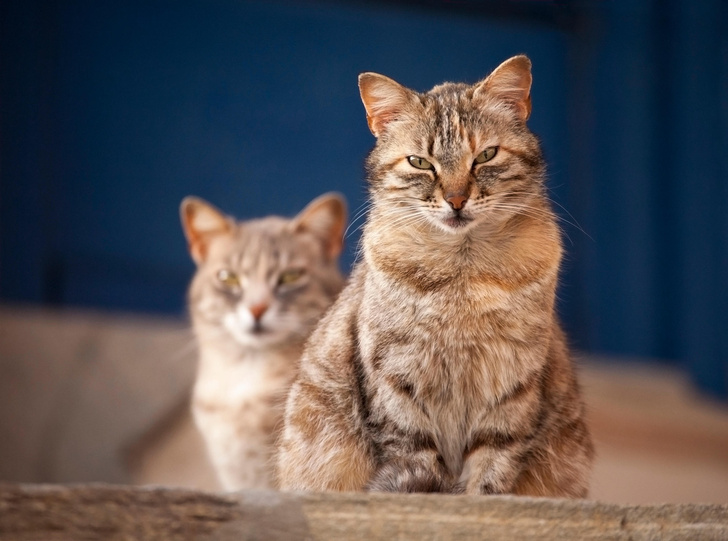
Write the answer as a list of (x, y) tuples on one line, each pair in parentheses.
[(258, 336), (258, 329), (457, 221)]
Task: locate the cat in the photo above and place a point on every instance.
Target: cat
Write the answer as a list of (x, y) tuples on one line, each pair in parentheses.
[(442, 366), (260, 287)]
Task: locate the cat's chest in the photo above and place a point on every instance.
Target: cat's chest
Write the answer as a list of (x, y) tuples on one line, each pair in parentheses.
[(463, 345), (224, 384)]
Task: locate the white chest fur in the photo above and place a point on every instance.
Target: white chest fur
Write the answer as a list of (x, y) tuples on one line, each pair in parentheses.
[(237, 405)]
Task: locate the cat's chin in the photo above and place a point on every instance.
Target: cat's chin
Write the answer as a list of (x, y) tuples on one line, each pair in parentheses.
[(258, 339), (455, 223)]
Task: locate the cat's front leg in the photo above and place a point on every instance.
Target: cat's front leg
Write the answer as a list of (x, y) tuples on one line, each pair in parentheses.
[(492, 468), (410, 463), (321, 448), (412, 474)]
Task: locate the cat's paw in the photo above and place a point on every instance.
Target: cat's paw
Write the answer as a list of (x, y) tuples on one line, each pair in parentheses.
[(397, 477)]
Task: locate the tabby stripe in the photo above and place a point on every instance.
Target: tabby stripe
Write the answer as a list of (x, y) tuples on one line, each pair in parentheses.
[(410, 442), (545, 407), (494, 439), (502, 440), (359, 374), (528, 158), (386, 168), (393, 437), (577, 430), (522, 387), (512, 177), (401, 386), (416, 177)]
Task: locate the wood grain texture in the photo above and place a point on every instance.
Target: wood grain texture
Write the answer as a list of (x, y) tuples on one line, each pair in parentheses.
[(54, 512)]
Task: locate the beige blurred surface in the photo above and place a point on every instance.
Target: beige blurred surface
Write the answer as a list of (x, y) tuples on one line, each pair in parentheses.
[(175, 455), (657, 440), (88, 396)]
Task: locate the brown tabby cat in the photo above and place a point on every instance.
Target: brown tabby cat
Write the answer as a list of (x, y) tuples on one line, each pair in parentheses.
[(442, 366), (260, 287)]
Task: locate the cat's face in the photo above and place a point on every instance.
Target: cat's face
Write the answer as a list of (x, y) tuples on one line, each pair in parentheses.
[(264, 282), (457, 156)]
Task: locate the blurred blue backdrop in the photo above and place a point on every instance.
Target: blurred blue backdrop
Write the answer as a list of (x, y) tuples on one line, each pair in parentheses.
[(112, 112)]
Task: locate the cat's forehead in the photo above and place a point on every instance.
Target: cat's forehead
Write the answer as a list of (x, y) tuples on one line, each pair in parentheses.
[(448, 118), (450, 93), (454, 117), (268, 241), (268, 227), (264, 236)]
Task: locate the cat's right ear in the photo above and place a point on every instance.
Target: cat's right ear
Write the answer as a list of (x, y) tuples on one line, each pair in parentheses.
[(325, 217), (511, 83), (202, 222), (384, 100)]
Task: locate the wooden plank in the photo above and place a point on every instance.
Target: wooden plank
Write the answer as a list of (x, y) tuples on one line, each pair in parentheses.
[(54, 512)]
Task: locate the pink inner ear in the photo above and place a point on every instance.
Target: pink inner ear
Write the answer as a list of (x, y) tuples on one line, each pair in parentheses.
[(377, 123), (201, 222), (522, 106), (511, 83), (327, 223), (383, 98), (198, 251)]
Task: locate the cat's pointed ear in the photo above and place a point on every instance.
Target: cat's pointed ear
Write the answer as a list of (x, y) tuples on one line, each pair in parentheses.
[(325, 217), (202, 222), (511, 82), (384, 100)]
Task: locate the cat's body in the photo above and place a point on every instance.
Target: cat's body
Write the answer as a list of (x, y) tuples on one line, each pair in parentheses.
[(260, 287), (442, 366)]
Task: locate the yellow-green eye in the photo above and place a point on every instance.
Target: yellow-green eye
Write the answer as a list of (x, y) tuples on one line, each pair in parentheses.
[(487, 155), (419, 163), (227, 277), (290, 276)]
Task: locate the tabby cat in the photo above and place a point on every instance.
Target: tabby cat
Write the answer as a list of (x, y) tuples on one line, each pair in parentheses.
[(260, 287), (442, 366)]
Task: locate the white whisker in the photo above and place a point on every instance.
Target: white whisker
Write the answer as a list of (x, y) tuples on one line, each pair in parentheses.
[(360, 213)]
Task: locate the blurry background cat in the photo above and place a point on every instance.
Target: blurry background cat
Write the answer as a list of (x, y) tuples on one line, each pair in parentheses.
[(260, 287)]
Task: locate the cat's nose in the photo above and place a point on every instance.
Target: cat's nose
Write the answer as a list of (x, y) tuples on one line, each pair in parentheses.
[(258, 310), (456, 199)]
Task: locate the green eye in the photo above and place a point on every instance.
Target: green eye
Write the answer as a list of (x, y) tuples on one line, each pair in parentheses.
[(487, 155), (419, 163), (291, 276), (228, 278)]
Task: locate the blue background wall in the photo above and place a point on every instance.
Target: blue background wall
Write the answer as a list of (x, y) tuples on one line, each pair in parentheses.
[(112, 112)]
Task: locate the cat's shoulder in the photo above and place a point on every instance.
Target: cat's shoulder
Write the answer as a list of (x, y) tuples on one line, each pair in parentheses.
[(334, 339)]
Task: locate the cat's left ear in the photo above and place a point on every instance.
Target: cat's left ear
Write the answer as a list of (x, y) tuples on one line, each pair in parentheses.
[(384, 100), (511, 82), (325, 217), (202, 222)]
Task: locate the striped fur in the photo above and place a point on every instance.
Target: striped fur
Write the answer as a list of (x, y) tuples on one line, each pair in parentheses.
[(280, 275), (442, 366)]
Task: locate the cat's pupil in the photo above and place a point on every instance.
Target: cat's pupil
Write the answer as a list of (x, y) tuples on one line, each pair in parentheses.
[(487, 155), (419, 163)]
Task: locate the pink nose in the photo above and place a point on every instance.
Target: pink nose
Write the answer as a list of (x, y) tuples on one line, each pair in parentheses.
[(258, 310), (456, 200)]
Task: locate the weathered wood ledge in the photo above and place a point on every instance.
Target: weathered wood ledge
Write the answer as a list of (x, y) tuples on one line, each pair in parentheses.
[(59, 512)]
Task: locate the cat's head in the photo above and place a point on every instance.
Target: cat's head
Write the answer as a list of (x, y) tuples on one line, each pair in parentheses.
[(263, 282), (456, 156)]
